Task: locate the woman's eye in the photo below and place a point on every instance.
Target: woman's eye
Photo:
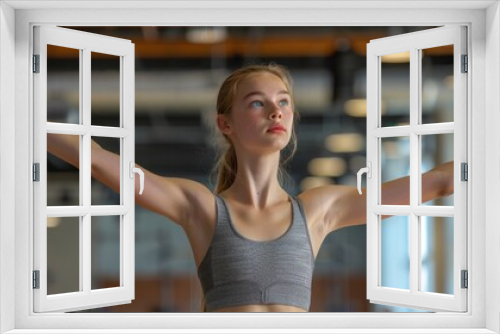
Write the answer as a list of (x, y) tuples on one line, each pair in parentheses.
[(256, 104), (283, 103)]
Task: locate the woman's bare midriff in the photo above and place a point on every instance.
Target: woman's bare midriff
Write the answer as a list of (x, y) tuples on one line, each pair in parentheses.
[(261, 308)]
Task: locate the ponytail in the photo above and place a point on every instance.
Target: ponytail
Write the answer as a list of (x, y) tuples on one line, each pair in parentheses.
[(226, 167)]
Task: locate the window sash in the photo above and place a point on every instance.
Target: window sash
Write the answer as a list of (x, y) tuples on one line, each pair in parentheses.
[(413, 42), (85, 298)]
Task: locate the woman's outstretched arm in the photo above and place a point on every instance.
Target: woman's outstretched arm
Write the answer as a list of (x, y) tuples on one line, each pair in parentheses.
[(171, 197), (343, 206)]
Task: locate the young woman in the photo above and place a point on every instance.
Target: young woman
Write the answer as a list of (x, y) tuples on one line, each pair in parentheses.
[(253, 243)]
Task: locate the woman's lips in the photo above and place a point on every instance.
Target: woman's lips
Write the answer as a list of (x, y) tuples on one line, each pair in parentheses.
[(276, 129)]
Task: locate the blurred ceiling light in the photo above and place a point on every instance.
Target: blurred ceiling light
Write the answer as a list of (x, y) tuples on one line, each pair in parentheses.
[(206, 35), (53, 222), (357, 107), (326, 167), (314, 182), (396, 58), (344, 142)]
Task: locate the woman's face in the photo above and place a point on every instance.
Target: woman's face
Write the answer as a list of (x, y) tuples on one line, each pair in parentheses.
[(261, 117)]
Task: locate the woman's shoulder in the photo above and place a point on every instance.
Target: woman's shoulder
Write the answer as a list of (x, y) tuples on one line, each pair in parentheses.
[(317, 201), (203, 199), (193, 201)]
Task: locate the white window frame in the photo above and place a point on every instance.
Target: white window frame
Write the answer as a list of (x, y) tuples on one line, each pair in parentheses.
[(483, 21)]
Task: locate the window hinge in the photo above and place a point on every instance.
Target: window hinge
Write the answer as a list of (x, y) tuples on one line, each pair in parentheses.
[(36, 279), (36, 172), (465, 279), (464, 171), (465, 64), (36, 63)]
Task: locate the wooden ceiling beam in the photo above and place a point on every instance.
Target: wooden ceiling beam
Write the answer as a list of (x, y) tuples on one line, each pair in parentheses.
[(302, 46)]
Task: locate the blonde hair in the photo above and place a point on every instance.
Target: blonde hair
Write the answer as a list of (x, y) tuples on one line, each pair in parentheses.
[(226, 165)]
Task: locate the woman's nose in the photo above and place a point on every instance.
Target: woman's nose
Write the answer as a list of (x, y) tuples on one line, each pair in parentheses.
[(276, 113)]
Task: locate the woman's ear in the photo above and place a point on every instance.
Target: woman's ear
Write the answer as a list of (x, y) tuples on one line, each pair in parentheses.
[(224, 125)]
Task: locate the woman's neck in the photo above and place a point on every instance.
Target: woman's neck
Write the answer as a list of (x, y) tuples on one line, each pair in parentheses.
[(256, 181)]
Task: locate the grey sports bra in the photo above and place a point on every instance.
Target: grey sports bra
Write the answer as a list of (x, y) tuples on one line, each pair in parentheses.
[(237, 271)]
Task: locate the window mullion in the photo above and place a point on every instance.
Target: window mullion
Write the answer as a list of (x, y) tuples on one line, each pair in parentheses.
[(405, 210), (434, 129), (415, 79), (85, 168), (85, 249)]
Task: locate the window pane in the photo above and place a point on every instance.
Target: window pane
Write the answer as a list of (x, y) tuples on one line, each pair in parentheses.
[(101, 193), (63, 84), (437, 84), (395, 89), (105, 252), (436, 251), (395, 262), (436, 150), (395, 163), (63, 179), (63, 255), (105, 91)]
